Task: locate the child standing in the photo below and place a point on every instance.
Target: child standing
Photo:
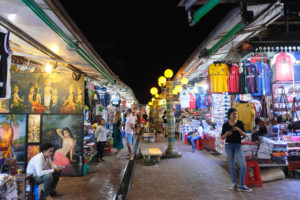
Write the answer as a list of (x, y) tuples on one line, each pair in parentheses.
[(101, 137)]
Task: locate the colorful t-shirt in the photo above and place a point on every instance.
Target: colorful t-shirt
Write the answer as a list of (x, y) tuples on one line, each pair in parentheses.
[(218, 74), (297, 66), (185, 99), (192, 101), (233, 79), (283, 67), (246, 114)]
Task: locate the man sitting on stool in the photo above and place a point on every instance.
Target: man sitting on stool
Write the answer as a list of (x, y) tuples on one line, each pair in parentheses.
[(43, 171), (195, 136)]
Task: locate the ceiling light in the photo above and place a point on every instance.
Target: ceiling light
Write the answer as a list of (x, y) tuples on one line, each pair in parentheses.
[(12, 17)]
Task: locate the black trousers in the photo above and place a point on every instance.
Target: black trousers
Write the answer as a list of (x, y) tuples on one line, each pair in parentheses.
[(100, 149)]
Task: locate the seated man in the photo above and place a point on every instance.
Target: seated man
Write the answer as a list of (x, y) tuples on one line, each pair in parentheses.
[(43, 171), (195, 136)]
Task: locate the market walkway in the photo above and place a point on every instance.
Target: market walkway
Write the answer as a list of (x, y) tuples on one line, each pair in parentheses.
[(101, 182), (198, 175)]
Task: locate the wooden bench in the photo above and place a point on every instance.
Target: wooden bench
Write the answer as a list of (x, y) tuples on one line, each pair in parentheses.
[(151, 154), (149, 137)]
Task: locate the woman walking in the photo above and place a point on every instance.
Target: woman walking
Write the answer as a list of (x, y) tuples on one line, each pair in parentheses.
[(101, 137), (118, 140), (233, 131)]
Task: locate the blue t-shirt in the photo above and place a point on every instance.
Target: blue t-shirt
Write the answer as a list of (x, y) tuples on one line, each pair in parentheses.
[(198, 100), (101, 96), (297, 66), (268, 73)]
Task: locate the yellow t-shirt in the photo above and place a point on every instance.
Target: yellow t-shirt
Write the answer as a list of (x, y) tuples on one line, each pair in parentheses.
[(246, 114), (218, 74)]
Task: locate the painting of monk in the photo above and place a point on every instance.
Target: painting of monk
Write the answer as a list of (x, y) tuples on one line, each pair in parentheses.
[(34, 123)]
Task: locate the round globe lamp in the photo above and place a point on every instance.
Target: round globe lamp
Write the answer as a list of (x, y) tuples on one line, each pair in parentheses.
[(168, 73), (184, 81), (154, 91), (162, 81)]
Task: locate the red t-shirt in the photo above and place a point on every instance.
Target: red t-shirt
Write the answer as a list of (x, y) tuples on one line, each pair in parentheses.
[(255, 58), (284, 67), (233, 79), (192, 101)]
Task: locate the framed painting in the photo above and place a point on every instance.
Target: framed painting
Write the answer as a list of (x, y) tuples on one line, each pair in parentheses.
[(32, 150), (65, 132), (13, 137), (4, 105), (34, 124)]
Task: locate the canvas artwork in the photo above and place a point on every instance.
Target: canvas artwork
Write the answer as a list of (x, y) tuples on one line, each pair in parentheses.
[(65, 132), (32, 150), (34, 124), (55, 93), (4, 106), (13, 136)]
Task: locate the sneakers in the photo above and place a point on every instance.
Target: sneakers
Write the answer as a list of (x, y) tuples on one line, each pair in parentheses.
[(244, 188), (232, 187)]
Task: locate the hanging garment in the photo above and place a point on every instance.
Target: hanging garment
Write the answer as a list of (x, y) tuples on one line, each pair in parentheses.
[(5, 61), (233, 79), (115, 100), (252, 74), (242, 82), (297, 66), (261, 89), (246, 114), (184, 99), (256, 58), (218, 74), (284, 64), (192, 101)]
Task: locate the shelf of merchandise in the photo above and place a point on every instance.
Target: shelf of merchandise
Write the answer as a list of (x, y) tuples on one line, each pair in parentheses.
[(274, 165)]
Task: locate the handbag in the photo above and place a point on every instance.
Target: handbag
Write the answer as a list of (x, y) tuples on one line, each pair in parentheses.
[(264, 114)]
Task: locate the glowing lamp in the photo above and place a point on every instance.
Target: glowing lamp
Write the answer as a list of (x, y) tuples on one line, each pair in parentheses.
[(156, 95), (150, 103), (153, 99), (184, 81), (48, 68), (175, 92), (168, 73), (178, 88), (162, 81), (194, 90), (154, 91)]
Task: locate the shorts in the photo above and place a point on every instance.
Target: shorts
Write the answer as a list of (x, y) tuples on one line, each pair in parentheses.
[(165, 125), (129, 138)]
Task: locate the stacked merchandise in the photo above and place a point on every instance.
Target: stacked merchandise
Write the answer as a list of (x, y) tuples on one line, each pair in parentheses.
[(220, 107), (279, 153), (250, 149), (8, 188), (294, 154), (265, 150)]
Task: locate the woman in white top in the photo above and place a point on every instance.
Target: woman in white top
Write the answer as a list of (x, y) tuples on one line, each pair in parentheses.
[(101, 137)]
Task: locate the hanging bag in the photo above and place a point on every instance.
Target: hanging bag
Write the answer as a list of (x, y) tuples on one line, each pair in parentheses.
[(294, 125), (283, 100), (264, 114)]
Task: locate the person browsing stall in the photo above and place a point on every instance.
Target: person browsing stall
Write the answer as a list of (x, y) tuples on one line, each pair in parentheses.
[(129, 130), (232, 132), (101, 137), (44, 171)]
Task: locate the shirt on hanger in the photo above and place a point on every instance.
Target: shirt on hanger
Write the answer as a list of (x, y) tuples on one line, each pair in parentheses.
[(184, 99), (246, 114), (297, 66), (192, 101), (252, 74), (242, 83), (283, 66), (233, 79), (218, 74)]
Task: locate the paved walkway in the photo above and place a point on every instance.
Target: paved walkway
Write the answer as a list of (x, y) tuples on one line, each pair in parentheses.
[(101, 182), (198, 175)]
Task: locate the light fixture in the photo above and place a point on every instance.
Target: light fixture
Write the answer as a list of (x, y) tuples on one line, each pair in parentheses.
[(178, 88), (154, 91), (184, 81), (150, 103), (153, 99), (195, 90), (54, 48), (162, 81), (156, 95), (168, 73), (48, 68), (175, 92), (12, 17)]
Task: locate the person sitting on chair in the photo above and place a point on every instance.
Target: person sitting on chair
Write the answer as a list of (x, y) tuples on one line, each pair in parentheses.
[(195, 136), (44, 172)]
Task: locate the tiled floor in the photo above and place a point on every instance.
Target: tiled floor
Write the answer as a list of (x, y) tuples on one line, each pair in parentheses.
[(198, 175)]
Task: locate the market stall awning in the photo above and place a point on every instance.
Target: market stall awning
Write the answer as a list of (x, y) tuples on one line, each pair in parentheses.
[(221, 41), (43, 30)]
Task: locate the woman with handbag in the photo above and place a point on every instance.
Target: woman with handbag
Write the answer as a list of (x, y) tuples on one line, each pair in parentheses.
[(233, 131)]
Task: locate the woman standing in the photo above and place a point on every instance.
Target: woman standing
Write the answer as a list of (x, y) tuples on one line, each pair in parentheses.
[(101, 137), (233, 131), (165, 123), (118, 140)]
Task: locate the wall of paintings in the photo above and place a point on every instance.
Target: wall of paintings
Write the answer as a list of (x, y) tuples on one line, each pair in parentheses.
[(44, 108)]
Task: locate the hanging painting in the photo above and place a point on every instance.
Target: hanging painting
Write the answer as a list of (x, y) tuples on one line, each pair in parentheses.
[(13, 137), (4, 106), (34, 122), (32, 150), (65, 132), (50, 93)]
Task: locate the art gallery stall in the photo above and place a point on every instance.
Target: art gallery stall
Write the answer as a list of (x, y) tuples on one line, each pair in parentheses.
[(47, 76)]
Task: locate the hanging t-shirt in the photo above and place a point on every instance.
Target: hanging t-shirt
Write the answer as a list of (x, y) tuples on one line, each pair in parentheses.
[(252, 74), (115, 100), (242, 82), (297, 66), (101, 95), (261, 89), (5, 60), (268, 79), (192, 101), (198, 100), (218, 74), (256, 58), (283, 67), (184, 99), (246, 114), (233, 79)]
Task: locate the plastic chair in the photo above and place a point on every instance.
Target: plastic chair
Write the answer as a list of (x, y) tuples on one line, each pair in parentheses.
[(256, 178), (185, 139), (199, 144), (108, 148)]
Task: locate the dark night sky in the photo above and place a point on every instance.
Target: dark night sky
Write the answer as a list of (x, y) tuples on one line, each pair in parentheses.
[(140, 39)]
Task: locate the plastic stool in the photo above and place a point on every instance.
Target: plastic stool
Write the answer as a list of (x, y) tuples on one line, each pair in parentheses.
[(256, 178), (108, 148), (185, 139), (199, 144)]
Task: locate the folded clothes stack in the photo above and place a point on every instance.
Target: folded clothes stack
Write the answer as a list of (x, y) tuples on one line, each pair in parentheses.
[(249, 148), (279, 154), (265, 148)]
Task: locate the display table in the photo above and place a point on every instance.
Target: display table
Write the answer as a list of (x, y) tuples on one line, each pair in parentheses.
[(149, 137), (151, 153), (23, 181)]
